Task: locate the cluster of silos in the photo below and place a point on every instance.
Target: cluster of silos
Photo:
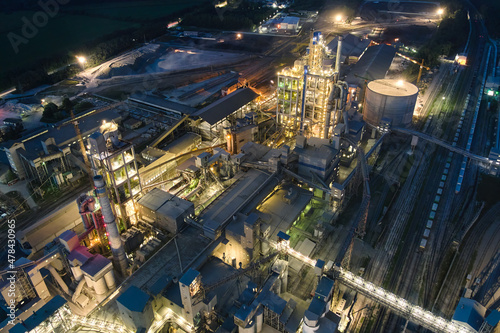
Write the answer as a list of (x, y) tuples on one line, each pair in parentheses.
[(389, 99)]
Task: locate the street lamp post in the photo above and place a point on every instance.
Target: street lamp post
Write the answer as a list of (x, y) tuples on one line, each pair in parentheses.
[(338, 19), (81, 60)]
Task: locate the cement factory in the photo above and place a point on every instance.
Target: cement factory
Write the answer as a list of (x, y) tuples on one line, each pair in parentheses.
[(224, 215)]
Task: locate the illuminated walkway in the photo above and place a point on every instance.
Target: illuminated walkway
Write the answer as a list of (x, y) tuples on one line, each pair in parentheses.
[(399, 305)]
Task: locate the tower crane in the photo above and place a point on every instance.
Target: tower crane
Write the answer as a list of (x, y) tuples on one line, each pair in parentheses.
[(421, 63)]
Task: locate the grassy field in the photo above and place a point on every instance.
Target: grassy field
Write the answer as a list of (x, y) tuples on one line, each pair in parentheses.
[(76, 25)]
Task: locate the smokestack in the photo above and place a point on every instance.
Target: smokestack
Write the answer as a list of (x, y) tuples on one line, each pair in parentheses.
[(339, 54), (119, 256)]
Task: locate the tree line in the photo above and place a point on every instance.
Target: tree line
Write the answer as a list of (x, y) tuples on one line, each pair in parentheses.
[(240, 16)]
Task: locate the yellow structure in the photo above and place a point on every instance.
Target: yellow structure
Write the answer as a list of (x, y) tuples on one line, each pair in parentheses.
[(303, 92)]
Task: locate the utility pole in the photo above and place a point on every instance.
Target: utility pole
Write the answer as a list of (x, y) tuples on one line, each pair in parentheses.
[(82, 148)]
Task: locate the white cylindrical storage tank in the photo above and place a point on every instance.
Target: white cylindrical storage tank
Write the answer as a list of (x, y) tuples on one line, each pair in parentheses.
[(89, 281), (259, 319), (77, 273), (249, 329), (100, 286), (57, 264), (110, 280), (391, 99)]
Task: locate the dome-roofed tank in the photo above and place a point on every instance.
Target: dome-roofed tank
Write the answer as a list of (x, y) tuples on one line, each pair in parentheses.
[(391, 99)]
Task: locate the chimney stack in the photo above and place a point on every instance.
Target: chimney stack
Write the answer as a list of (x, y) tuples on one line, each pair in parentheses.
[(117, 249), (339, 55)]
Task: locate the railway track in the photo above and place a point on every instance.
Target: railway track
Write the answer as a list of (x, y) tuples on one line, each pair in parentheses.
[(466, 252)]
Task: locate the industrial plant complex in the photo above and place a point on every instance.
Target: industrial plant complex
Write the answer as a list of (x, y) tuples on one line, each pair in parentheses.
[(324, 193)]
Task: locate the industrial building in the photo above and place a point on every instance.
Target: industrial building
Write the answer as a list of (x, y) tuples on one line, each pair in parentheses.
[(223, 112), (353, 47), (317, 158), (318, 317), (473, 316), (50, 152), (373, 65), (164, 210), (303, 92), (289, 23), (114, 159), (392, 100), (135, 309), (51, 316)]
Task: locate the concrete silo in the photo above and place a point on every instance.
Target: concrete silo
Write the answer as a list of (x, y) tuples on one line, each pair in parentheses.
[(390, 99)]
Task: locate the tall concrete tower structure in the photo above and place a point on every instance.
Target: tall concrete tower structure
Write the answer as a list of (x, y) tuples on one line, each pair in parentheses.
[(303, 92), (114, 159), (119, 257)]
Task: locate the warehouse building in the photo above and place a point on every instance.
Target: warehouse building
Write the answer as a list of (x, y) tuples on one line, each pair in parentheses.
[(48, 151), (353, 47), (223, 112), (373, 65), (164, 210), (289, 23)]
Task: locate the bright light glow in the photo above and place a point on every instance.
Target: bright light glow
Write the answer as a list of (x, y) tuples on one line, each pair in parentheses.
[(440, 11), (400, 83), (238, 36), (338, 18), (81, 59), (490, 92)]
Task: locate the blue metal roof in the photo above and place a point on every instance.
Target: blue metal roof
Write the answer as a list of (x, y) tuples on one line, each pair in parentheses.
[(320, 263), (317, 306), (469, 311), (283, 236), (251, 219), (173, 294), (67, 235), (248, 294), (493, 318), (95, 264), (356, 126), (133, 299), (243, 312), (39, 316), (159, 285), (325, 285), (189, 277), (274, 303)]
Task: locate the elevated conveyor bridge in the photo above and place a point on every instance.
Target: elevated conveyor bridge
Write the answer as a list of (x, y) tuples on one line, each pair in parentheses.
[(399, 305)]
